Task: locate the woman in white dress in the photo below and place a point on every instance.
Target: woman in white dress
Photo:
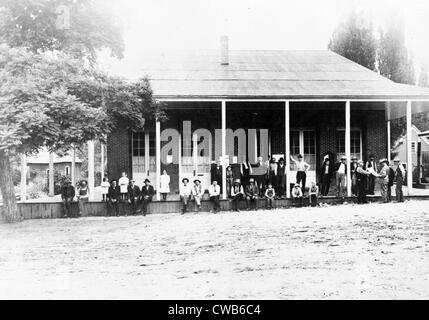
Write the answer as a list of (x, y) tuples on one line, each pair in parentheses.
[(164, 187), (123, 185)]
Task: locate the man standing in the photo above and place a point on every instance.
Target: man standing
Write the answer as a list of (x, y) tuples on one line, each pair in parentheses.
[(353, 168), (399, 176), (340, 175), (133, 196), (146, 195), (113, 197), (185, 193), (252, 192), (67, 195), (214, 193), (302, 167), (384, 179), (281, 178), (391, 176), (369, 166), (361, 176)]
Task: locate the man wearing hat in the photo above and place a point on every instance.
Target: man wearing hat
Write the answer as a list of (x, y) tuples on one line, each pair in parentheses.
[(214, 194), (237, 193), (197, 192), (353, 168), (297, 195), (340, 175), (384, 179), (371, 165), (185, 194), (252, 192), (67, 195), (302, 167), (361, 176), (133, 196), (113, 197), (281, 178), (399, 176), (146, 195)]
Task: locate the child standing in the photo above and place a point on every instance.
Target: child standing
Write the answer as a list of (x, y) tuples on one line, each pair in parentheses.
[(123, 186), (164, 187), (314, 194), (105, 188), (270, 194)]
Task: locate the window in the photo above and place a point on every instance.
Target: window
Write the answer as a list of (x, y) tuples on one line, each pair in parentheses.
[(355, 143), (303, 142), (67, 170)]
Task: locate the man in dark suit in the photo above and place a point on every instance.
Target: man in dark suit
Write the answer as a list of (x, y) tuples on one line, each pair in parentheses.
[(67, 194), (113, 197), (133, 196), (371, 178), (146, 195)]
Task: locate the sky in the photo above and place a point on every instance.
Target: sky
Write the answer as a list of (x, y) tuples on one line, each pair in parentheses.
[(165, 26)]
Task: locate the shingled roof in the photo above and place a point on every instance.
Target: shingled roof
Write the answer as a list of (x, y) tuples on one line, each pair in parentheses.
[(315, 74)]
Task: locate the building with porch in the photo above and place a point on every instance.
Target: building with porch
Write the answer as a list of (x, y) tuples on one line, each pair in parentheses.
[(237, 105)]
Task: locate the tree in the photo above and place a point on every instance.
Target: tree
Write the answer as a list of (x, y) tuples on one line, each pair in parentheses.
[(51, 100), (355, 40), (76, 27), (393, 59), (423, 77)]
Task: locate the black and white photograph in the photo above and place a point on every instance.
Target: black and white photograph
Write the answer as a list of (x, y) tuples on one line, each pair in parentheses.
[(201, 150)]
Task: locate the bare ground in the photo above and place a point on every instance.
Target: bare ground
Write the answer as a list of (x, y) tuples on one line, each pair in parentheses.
[(348, 252)]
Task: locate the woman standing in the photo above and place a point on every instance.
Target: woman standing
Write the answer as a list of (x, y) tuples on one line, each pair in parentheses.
[(82, 195), (164, 187), (123, 185)]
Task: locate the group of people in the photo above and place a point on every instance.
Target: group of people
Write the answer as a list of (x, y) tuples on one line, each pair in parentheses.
[(266, 180)]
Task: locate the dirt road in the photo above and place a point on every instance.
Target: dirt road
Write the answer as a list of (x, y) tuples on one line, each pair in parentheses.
[(373, 251)]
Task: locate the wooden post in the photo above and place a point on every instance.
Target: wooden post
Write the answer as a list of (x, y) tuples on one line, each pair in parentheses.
[(91, 170), (287, 147), (158, 159), (224, 193), (348, 153), (23, 178), (102, 160), (73, 167), (409, 155), (388, 133), (51, 174)]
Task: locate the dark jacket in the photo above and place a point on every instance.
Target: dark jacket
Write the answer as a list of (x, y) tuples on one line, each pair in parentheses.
[(114, 193), (252, 190), (322, 171), (391, 176), (67, 192), (133, 192), (147, 191), (216, 173)]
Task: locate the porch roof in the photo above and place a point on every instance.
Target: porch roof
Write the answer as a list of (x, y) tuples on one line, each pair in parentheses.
[(315, 74)]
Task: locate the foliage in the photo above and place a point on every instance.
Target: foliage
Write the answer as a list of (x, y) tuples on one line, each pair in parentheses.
[(423, 77), (355, 40), (394, 61), (34, 24)]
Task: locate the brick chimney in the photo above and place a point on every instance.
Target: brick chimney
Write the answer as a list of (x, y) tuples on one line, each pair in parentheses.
[(224, 54)]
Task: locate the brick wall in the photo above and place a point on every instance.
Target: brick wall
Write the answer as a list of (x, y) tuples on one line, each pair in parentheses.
[(118, 153)]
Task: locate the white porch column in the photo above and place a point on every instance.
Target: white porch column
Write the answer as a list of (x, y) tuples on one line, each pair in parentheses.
[(73, 168), (23, 178), (287, 147), (51, 174), (158, 158), (388, 133), (91, 170), (224, 193), (409, 156), (102, 160), (348, 153)]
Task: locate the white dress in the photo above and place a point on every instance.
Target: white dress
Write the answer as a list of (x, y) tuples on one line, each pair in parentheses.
[(123, 184), (164, 184), (105, 187)]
